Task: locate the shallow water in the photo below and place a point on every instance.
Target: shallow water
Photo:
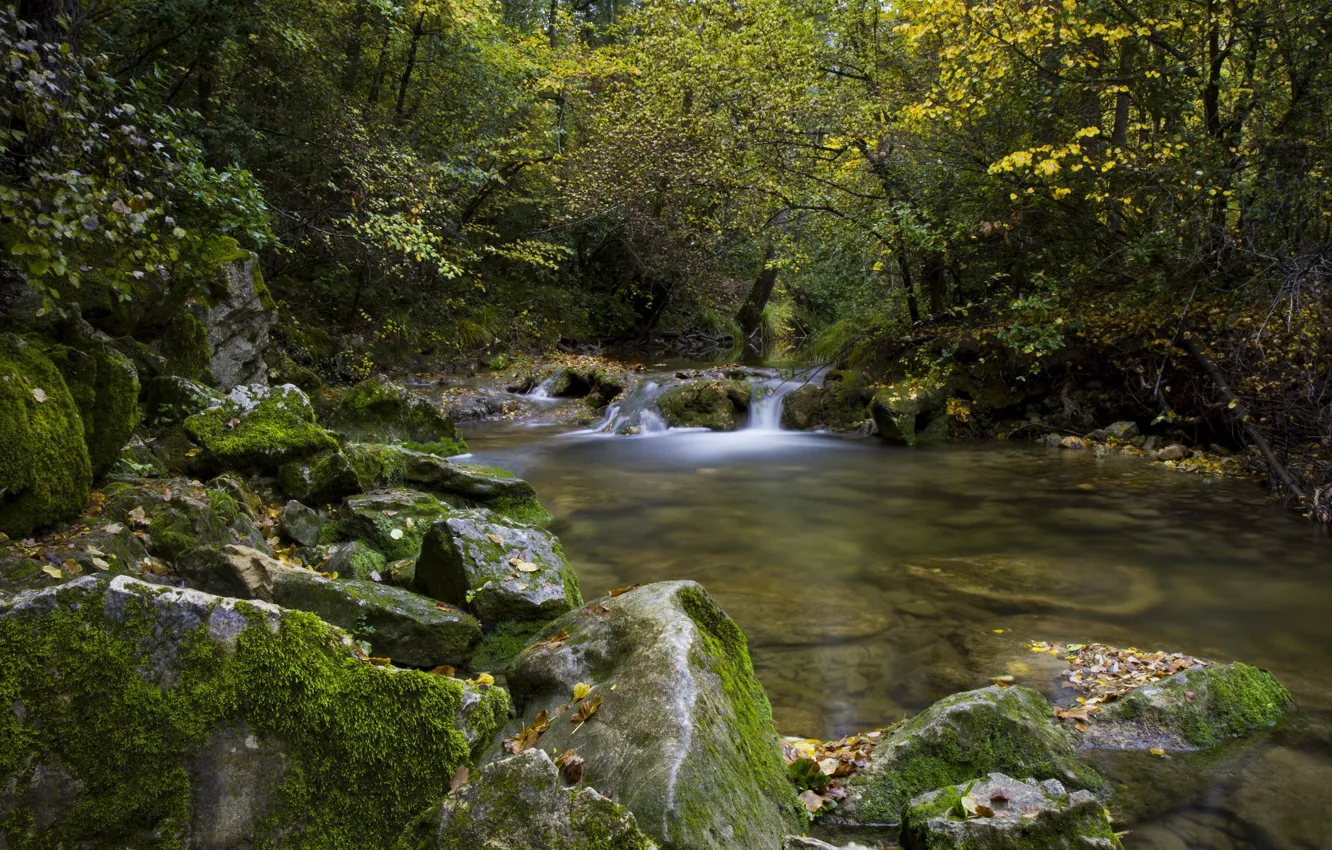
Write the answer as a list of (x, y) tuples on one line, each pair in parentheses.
[(835, 554)]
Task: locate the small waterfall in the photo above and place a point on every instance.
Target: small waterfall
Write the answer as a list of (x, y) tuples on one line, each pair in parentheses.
[(541, 392), (636, 413), (765, 405)]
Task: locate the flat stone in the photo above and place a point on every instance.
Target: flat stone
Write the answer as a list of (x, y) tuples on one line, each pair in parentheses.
[(1041, 584)]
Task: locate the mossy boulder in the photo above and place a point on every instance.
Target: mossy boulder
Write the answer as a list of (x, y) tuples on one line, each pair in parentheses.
[(459, 485), (499, 647), (1000, 813), (682, 735), (394, 522), (913, 411), (836, 406), (396, 623), (320, 480), (89, 547), (259, 429), (356, 560), (1199, 708), (378, 410), (1007, 730), (45, 470), (596, 383), (522, 802), (105, 386), (499, 569), (156, 717), (171, 399), (716, 405), (183, 346), (238, 318), (301, 524)]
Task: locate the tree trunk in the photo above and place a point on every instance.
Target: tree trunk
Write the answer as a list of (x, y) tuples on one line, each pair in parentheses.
[(904, 266), (751, 312), (411, 64), (933, 277)]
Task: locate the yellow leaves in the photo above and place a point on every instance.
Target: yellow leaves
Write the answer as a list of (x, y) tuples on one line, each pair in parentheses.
[(482, 679), (1159, 752), (523, 566), (585, 710), (581, 690), (528, 737), (54, 572)]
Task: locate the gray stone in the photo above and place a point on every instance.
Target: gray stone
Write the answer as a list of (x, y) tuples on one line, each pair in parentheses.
[(238, 326), (398, 624), (235, 779), (394, 522), (964, 736), (501, 570), (321, 479), (1000, 813), (301, 524), (1282, 800), (357, 560), (520, 803), (237, 571), (1123, 430), (1174, 451), (683, 733)]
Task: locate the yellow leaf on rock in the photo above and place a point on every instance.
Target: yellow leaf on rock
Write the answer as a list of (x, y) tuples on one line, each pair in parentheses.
[(482, 679), (581, 690), (53, 572), (1157, 751), (496, 539)]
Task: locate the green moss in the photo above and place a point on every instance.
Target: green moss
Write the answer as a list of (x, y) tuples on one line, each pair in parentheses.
[(185, 349), (45, 470), (279, 429), (912, 411), (356, 560), (368, 748), (320, 480), (105, 386), (504, 644), (717, 405), (597, 823), (379, 410), (377, 465), (1238, 699)]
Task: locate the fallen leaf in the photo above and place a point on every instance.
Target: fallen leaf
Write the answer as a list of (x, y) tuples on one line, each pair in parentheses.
[(113, 528), (482, 679), (396, 534), (984, 811), (1157, 751), (526, 567), (527, 739), (53, 572), (496, 539), (459, 779), (166, 495), (581, 690), (39, 394), (621, 590), (194, 453), (137, 516), (380, 662), (98, 563), (586, 709), (555, 641), (233, 422), (390, 513), (443, 670), (813, 802), (571, 766)]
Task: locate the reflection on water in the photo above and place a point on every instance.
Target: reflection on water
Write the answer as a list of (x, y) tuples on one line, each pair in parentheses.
[(872, 580)]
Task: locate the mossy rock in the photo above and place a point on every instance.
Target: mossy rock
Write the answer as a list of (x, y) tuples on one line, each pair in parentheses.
[(459, 485), (356, 560), (184, 349), (87, 548), (522, 802), (45, 470), (1199, 708), (1000, 813), (171, 399), (597, 384), (499, 569), (716, 405), (832, 407), (320, 480), (683, 734), (913, 411), (398, 624), (259, 429), (378, 410), (1006, 730), (105, 386), (394, 522), (498, 648), (158, 718)]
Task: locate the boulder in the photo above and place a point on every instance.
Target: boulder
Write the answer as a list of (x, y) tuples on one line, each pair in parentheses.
[(1123, 430), (398, 624), (1075, 443), (356, 560), (501, 570), (519, 803), (1174, 451), (596, 383), (171, 399), (913, 411), (258, 429), (460, 485), (1000, 813), (835, 406), (301, 524), (1010, 730), (241, 572), (320, 480), (90, 546), (378, 410), (394, 522), (45, 470), (682, 732), (181, 518), (105, 386), (149, 716), (716, 405), (238, 320), (1199, 708)]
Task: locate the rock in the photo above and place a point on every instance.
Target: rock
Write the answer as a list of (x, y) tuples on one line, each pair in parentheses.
[(398, 624), (1281, 799), (238, 320), (1196, 709), (1073, 443), (500, 646), (1174, 451), (912, 411), (717, 405), (460, 485), (356, 560), (1123, 430), (45, 470), (182, 519), (258, 429), (105, 387), (320, 480), (183, 345), (1041, 584), (797, 842), (483, 710), (519, 803), (172, 399), (599, 385), (1149, 444), (501, 570), (835, 406), (169, 717), (378, 410), (1015, 815), (240, 572), (240, 490), (1010, 730), (394, 522), (301, 524), (683, 735), (1051, 440), (89, 547), (1100, 435)]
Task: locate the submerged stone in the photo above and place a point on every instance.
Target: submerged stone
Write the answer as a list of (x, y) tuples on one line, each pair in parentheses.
[(258, 429), (160, 717), (1008, 730), (716, 405), (1199, 708), (682, 732), (499, 569), (1000, 813), (1043, 584), (378, 410)]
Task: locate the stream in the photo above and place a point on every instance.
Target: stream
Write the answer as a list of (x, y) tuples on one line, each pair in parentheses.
[(872, 579)]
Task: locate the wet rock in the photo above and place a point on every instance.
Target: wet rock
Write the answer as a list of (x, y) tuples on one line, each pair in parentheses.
[(1123, 430), (1000, 813), (301, 524), (238, 321), (1040, 584), (835, 406), (378, 410), (105, 387), (482, 710), (683, 734), (833, 615), (460, 485), (1196, 709), (321, 479), (394, 522), (520, 802), (912, 412), (91, 546), (716, 405), (1174, 451), (499, 569), (596, 383), (1282, 801), (240, 572), (258, 429), (1073, 443), (182, 718), (1009, 730), (398, 624), (356, 560)]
